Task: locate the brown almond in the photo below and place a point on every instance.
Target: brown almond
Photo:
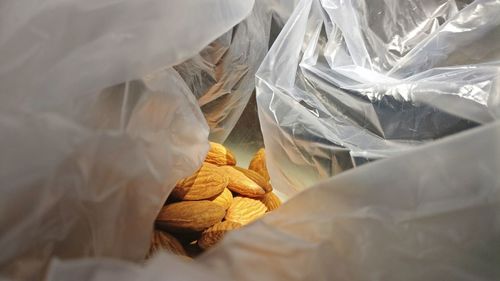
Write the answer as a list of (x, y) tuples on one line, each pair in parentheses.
[(164, 241), (257, 178), (207, 182), (220, 155), (271, 201), (189, 216), (245, 210), (214, 234), (240, 183), (224, 199), (258, 164)]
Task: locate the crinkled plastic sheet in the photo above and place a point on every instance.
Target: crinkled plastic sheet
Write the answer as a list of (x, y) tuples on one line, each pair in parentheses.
[(349, 82), (431, 214), (84, 170), (83, 175), (222, 76)]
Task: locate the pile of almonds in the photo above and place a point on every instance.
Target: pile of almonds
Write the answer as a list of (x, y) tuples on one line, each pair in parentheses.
[(217, 198)]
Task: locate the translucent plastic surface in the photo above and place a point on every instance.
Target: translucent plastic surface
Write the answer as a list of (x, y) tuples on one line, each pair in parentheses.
[(348, 82), (84, 171), (383, 221), (222, 75)]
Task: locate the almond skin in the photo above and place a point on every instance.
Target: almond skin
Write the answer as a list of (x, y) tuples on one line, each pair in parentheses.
[(224, 199), (189, 216), (207, 182), (241, 184), (271, 201), (164, 241), (245, 210), (219, 155), (214, 234), (258, 164), (257, 178)]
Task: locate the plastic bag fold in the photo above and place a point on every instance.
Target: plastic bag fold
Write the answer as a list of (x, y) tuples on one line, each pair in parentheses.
[(351, 82), (432, 213), (87, 158)]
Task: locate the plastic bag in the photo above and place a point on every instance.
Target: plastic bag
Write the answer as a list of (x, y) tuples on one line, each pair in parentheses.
[(348, 82), (431, 214), (83, 170), (440, 223), (222, 75)]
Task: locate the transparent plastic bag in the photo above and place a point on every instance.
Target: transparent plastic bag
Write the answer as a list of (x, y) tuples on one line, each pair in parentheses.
[(84, 170), (351, 82), (430, 214), (222, 75)]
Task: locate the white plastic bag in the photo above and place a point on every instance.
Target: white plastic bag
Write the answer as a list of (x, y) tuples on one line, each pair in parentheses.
[(67, 171), (84, 172), (431, 214), (348, 82)]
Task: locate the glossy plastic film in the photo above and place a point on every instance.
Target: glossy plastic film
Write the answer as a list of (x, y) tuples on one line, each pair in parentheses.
[(382, 221), (222, 75), (349, 82), (86, 165)]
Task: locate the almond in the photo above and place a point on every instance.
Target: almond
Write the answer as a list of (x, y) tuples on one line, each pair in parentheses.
[(189, 216), (220, 155), (214, 234), (240, 183), (207, 182), (258, 164), (224, 199), (164, 241), (245, 210), (271, 201), (257, 178)]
